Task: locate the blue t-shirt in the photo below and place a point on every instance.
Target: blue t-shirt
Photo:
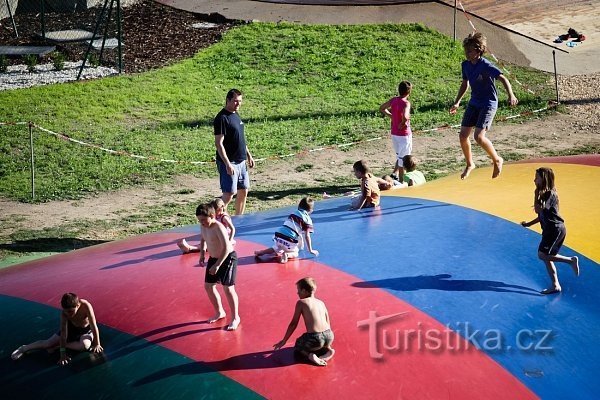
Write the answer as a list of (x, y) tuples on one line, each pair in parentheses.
[(481, 77), (230, 125), (297, 223)]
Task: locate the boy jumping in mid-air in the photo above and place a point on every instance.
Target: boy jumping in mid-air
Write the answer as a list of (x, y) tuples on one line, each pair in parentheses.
[(318, 336), (479, 74)]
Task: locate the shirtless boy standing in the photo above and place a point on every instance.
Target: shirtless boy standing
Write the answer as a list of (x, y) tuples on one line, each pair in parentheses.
[(318, 336), (221, 267), (78, 331)]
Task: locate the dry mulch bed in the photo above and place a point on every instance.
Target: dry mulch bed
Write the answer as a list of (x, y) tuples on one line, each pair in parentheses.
[(154, 35)]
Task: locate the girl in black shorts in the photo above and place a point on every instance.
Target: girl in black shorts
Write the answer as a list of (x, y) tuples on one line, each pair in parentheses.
[(545, 204)]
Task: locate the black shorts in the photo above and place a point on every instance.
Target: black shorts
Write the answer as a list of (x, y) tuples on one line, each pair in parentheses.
[(552, 240), (226, 273), (74, 333)]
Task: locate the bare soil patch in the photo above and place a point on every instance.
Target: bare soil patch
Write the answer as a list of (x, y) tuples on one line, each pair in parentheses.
[(577, 129)]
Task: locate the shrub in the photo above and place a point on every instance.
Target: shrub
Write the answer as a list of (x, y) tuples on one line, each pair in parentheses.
[(31, 61), (58, 60), (3, 63), (93, 60)]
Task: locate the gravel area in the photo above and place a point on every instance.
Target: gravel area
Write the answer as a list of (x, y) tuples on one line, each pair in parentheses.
[(582, 95), (150, 31), (18, 77)]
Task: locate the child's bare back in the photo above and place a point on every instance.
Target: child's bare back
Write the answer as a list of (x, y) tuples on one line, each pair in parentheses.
[(318, 336), (314, 314)]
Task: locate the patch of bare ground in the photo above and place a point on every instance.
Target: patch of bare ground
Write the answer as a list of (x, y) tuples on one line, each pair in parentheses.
[(113, 215), (577, 129)]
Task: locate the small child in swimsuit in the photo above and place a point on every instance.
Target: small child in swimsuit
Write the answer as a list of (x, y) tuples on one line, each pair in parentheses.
[(288, 238), (388, 182), (369, 189), (222, 217), (78, 331), (315, 343)]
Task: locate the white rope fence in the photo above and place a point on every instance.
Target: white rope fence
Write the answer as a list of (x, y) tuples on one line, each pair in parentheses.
[(68, 138)]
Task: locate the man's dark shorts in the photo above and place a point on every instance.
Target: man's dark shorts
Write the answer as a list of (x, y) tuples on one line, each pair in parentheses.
[(479, 117), (311, 342), (226, 273), (232, 183)]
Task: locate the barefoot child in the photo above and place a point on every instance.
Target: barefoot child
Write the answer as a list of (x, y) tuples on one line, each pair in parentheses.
[(289, 237), (479, 74), (398, 109), (412, 177), (388, 182), (221, 267), (545, 204), (78, 331), (224, 218), (318, 336), (369, 189), (221, 216)]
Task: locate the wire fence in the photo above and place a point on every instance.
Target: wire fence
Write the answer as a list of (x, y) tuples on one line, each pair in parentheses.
[(71, 20), (31, 126)]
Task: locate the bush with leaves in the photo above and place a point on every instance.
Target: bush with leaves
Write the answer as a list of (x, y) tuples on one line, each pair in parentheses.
[(31, 61), (58, 60), (3, 63), (93, 60)]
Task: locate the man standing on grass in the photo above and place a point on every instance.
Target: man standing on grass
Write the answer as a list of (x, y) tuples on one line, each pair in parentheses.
[(233, 157)]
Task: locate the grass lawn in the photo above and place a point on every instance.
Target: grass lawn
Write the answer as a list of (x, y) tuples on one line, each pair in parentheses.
[(304, 87)]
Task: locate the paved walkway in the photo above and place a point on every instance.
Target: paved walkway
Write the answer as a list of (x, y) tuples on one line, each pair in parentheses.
[(508, 46)]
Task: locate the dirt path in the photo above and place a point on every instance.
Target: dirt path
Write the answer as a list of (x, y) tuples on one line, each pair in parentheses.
[(577, 129)]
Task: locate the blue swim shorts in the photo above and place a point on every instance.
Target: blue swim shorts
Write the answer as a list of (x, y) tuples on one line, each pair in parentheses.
[(479, 117), (232, 183)]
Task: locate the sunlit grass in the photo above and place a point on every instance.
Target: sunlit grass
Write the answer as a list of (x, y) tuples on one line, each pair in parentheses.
[(304, 87)]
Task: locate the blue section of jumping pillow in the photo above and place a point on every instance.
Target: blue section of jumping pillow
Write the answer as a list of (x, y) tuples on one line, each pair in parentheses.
[(476, 273)]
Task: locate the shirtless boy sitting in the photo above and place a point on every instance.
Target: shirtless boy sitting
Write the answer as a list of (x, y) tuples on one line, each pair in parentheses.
[(78, 331), (318, 336), (221, 267)]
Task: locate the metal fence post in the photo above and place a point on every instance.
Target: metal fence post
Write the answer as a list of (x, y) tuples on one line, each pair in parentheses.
[(32, 161), (12, 18), (120, 36), (43, 18), (555, 76), (455, 20)]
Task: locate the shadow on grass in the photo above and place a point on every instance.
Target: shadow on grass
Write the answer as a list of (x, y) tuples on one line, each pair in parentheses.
[(47, 245), (310, 116), (333, 190), (193, 124)]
